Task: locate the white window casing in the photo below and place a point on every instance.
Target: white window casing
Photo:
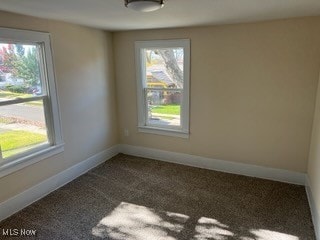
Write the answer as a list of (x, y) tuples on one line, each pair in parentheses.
[(143, 126), (49, 97)]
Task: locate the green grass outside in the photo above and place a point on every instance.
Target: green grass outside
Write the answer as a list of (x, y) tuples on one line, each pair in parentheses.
[(35, 103), (15, 141), (166, 109), (12, 95)]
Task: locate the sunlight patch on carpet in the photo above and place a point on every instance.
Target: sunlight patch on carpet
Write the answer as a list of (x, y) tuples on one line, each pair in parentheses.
[(133, 222), (262, 234), (208, 228)]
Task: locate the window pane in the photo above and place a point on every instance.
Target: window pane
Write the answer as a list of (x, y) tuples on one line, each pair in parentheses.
[(19, 71), (164, 67), (164, 107), (22, 127)]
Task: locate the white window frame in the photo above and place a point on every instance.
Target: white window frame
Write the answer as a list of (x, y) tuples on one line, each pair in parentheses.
[(51, 106), (140, 46)]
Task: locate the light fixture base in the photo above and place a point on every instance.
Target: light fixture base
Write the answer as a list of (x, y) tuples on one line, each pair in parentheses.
[(144, 5)]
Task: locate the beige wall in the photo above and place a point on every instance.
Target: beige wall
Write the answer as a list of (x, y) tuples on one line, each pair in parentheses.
[(84, 72), (253, 89), (314, 156)]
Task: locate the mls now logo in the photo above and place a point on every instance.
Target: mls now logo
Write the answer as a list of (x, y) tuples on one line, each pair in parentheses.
[(14, 232)]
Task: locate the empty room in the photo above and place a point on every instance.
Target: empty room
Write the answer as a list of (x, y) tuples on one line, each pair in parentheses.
[(160, 119)]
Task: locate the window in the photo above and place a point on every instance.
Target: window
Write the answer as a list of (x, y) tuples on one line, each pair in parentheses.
[(163, 86), (29, 116)]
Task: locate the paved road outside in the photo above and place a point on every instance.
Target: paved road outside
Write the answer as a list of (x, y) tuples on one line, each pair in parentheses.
[(23, 111), (164, 119)]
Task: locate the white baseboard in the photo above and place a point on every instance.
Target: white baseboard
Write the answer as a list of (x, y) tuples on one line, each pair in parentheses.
[(22, 200), (29, 196), (214, 164), (315, 214)]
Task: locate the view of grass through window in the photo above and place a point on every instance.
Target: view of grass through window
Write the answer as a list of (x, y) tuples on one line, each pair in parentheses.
[(164, 80), (22, 119)]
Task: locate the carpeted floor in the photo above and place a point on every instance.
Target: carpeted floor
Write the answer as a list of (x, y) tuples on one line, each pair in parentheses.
[(139, 199)]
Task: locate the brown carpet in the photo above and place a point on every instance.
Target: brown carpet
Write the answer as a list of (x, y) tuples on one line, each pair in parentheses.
[(139, 199)]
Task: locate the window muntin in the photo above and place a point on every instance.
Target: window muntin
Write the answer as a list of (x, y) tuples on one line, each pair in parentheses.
[(29, 116), (163, 84)]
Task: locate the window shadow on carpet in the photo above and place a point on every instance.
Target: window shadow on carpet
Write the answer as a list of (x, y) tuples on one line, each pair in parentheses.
[(133, 198), (133, 222)]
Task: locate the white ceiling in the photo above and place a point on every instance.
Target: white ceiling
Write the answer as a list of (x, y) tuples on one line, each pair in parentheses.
[(112, 15)]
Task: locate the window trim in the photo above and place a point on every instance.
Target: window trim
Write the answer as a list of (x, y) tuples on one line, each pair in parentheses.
[(50, 101), (140, 75)]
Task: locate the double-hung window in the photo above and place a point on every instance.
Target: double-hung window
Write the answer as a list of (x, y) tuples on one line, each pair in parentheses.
[(29, 115), (163, 69)]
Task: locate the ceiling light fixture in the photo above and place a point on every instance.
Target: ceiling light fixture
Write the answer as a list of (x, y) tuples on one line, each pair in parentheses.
[(144, 5)]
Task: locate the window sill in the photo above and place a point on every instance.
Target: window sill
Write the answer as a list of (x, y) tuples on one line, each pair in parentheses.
[(30, 159), (165, 132)]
